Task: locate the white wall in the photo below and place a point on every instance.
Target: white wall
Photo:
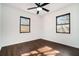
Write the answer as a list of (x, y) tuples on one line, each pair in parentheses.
[(11, 20), (0, 23), (71, 39)]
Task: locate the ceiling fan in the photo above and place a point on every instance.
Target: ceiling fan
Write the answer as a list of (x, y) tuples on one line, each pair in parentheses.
[(39, 7)]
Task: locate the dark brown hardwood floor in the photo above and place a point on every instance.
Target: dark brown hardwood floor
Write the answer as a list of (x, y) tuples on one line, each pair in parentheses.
[(18, 49)]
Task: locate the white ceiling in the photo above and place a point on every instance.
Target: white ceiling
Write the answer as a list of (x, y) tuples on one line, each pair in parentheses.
[(51, 7)]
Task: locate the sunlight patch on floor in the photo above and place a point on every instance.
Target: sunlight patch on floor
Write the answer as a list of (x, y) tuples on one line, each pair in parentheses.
[(43, 51)]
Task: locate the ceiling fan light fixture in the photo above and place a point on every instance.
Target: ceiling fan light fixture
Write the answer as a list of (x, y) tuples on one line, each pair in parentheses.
[(39, 9)]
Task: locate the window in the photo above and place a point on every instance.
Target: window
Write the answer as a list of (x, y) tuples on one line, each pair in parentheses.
[(24, 24), (63, 23)]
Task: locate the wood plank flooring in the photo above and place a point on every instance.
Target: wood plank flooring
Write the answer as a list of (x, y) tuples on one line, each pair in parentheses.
[(18, 49)]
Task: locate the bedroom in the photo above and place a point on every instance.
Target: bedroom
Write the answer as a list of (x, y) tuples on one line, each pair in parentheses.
[(42, 25)]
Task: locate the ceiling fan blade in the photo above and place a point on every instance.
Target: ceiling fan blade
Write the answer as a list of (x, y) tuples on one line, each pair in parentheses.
[(32, 8), (45, 9), (38, 4), (44, 4), (37, 12)]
